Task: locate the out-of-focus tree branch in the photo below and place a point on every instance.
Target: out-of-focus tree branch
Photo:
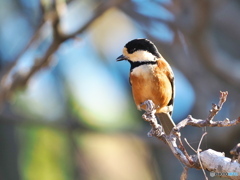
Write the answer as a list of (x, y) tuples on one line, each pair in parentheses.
[(11, 82)]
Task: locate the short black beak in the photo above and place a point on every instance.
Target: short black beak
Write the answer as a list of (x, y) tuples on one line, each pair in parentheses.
[(121, 58)]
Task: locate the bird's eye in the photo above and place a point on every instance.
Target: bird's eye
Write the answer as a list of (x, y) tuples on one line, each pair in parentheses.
[(132, 50)]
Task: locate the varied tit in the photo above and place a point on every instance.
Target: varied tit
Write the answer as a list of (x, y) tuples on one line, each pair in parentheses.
[(151, 78)]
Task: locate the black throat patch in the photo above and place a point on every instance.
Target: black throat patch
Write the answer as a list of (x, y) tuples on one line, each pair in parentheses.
[(139, 63)]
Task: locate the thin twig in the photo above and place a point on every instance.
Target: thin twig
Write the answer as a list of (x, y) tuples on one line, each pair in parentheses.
[(190, 145), (216, 108), (198, 150)]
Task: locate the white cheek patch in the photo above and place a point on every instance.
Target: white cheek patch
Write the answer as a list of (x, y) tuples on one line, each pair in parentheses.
[(141, 56)]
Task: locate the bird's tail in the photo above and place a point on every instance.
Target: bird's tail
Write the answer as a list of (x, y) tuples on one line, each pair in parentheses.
[(166, 121)]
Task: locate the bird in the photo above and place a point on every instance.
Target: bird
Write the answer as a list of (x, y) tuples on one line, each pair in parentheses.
[(151, 78)]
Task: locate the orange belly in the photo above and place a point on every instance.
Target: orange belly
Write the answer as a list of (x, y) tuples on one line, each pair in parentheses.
[(151, 85)]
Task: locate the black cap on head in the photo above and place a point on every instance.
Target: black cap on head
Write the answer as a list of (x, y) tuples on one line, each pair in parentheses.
[(142, 44)]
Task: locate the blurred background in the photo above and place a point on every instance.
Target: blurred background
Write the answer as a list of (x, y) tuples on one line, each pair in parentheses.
[(67, 111)]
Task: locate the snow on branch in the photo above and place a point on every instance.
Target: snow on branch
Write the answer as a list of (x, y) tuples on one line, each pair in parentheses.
[(209, 160)]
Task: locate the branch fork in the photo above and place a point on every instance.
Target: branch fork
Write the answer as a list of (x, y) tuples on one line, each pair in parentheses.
[(201, 160)]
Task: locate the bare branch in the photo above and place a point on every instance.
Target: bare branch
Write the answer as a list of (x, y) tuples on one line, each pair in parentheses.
[(171, 139), (201, 160), (216, 108), (208, 122), (203, 123), (150, 117)]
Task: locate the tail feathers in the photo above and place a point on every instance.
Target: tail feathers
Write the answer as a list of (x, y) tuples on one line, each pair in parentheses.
[(166, 121)]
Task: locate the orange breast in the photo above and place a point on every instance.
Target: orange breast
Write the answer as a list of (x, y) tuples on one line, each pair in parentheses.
[(151, 83)]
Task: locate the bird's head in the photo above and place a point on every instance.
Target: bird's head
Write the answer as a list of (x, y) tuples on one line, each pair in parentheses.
[(139, 50)]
